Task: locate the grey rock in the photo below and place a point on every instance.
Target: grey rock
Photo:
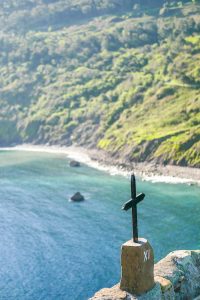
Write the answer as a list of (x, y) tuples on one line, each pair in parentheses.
[(74, 163), (115, 293), (77, 197), (182, 268), (166, 288), (177, 277), (154, 294)]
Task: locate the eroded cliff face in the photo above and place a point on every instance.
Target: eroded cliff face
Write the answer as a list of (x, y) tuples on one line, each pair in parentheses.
[(177, 277)]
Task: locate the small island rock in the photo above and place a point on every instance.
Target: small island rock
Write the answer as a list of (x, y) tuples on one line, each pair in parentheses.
[(77, 197), (74, 163)]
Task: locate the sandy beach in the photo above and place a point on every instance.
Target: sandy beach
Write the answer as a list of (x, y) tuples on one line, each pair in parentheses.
[(100, 160)]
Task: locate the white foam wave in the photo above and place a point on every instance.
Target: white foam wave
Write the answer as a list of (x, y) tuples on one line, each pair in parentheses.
[(81, 155)]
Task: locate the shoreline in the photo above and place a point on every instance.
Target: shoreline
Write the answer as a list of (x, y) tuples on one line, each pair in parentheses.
[(100, 160)]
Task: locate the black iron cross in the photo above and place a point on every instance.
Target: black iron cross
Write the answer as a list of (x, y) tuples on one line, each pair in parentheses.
[(132, 203)]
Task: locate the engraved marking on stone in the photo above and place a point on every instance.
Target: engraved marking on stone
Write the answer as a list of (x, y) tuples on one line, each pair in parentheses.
[(147, 255)]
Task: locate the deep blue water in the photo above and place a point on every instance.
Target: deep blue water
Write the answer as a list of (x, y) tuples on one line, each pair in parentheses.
[(51, 248)]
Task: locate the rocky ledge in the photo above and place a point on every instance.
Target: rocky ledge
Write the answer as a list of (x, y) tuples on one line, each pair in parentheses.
[(177, 277)]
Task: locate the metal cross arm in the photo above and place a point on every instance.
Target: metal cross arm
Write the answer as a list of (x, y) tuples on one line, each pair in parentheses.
[(132, 203)]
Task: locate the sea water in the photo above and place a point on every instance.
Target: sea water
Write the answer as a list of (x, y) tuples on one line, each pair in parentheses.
[(51, 248)]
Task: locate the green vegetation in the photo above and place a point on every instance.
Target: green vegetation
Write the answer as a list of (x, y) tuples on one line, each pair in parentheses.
[(124, 78)]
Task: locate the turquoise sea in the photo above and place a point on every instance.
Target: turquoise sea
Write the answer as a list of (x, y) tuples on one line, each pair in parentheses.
[(51, 248)]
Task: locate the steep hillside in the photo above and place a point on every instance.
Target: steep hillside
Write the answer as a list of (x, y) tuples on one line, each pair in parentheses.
[(22, 15), (123, 78)]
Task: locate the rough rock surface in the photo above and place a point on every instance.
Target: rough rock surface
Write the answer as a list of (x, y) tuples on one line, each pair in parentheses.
[(182, 268), (137, 270), (115, 293), (177, 277)]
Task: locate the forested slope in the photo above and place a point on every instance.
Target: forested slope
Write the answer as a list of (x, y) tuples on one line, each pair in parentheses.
[(123, 78), (21, 15)]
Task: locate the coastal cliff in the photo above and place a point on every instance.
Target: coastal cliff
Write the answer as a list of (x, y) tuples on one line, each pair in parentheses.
[(177, 277), (119, 76)]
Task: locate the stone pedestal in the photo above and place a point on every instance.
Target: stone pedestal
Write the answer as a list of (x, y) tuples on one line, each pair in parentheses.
[(137, 267)]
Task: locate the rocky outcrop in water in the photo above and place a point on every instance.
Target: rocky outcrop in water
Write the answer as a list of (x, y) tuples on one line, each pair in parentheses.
[(77, 197), (74, 163), (177, 277)]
